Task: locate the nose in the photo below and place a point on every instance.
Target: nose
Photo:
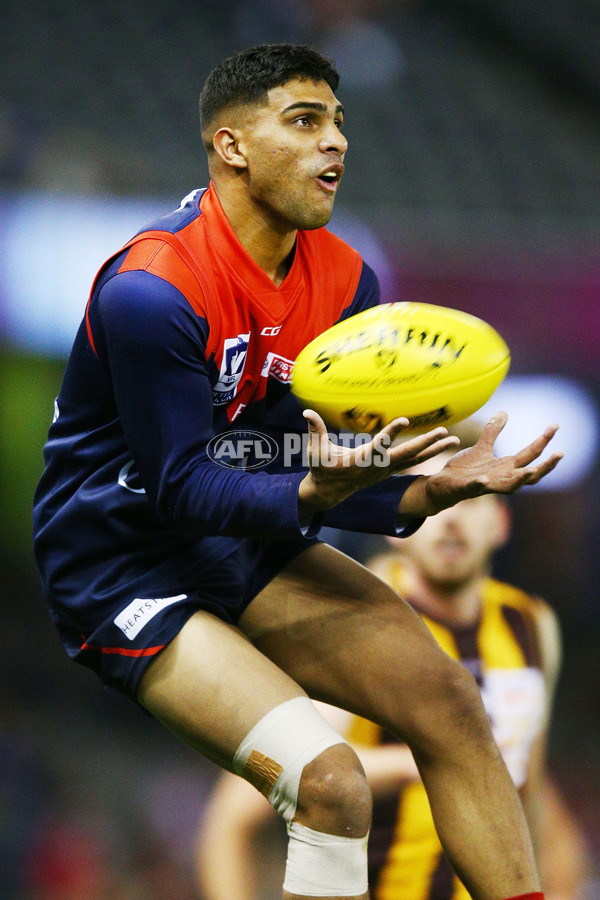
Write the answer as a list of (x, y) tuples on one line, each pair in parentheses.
[(332, 140), (450, 516)]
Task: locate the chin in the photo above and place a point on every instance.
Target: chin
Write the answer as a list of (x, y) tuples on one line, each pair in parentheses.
[(311, 223), (308, 218), (450, 578)]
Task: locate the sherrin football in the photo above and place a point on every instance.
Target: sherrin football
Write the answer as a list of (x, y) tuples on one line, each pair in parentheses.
[(432, 364)]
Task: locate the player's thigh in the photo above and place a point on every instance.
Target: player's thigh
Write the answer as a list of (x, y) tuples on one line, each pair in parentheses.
[(210, 686), (348, 638)]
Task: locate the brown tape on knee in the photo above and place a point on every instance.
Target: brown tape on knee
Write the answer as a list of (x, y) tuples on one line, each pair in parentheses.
[(262, 772)]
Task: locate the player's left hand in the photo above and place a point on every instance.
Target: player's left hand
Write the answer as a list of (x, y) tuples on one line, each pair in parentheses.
[(475, 471)]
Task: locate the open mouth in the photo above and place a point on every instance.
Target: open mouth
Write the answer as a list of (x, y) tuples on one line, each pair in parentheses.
[(451, 545), (330, 178)]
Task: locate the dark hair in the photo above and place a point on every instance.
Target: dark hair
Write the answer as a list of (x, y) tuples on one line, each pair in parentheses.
[(250, 74)]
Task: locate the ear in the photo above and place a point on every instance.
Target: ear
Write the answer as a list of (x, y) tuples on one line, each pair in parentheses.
[(227, 143)]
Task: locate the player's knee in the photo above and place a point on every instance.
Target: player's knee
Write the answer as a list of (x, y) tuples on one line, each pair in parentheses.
[(314, 780), (288, 741), (327, 851), (334, 796)]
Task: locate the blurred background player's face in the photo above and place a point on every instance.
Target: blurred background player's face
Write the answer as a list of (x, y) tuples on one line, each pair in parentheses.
[(294, 150), (455, 546)]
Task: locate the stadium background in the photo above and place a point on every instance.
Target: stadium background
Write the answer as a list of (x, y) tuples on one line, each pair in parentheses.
[(473, 181)]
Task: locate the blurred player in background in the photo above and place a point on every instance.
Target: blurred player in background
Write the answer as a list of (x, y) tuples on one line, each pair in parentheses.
[(510, 642), (202, 591)]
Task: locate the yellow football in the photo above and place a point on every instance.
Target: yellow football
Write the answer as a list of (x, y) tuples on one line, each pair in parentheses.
[(432, 364)]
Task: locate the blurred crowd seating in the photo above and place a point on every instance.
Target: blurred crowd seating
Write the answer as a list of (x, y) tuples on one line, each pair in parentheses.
[(457, 105)]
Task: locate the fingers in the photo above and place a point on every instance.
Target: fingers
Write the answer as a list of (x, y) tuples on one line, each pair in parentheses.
[(544, 468), (533, 450), (318, 437), (441, 446), (522, 459), (392, 429), (491, 430), (516, 479), (424, 447), (420, 441), (316, 425)]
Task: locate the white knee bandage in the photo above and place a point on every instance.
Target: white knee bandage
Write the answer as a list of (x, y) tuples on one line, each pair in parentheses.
[(325, 865), (274, 752)]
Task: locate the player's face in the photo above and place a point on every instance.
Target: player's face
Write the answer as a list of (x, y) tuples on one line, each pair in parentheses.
[(455, 546), (295, 150)]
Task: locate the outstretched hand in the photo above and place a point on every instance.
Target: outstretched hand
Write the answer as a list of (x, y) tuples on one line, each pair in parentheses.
[(475, 471), (336, 471)]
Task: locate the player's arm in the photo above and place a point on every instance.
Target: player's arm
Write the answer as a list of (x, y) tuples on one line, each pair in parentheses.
[(152, 344), (469, 473), (563, 855), (387, 766), (550, 647), (559, 843)]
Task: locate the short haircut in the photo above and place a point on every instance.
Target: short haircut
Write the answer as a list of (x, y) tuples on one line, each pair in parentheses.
[(248, 76)]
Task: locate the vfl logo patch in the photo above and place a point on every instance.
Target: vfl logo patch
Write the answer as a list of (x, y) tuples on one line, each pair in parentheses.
[(235, 351), (139, 612)]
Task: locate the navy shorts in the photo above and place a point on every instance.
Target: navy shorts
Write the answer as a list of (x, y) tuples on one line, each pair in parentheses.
[(132, 632)]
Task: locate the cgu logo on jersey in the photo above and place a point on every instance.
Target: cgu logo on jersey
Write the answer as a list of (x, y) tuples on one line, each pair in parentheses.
[(235, 351)]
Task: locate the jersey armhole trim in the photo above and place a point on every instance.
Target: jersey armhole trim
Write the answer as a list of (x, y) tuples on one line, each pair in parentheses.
[(184, 253)]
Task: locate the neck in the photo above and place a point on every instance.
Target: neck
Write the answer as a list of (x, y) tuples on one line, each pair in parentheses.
[(458, 605), (271, 247)]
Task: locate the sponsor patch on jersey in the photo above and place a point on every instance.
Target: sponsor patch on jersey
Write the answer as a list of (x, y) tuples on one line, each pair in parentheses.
[(277, 367), (235, 351), (134, 617)]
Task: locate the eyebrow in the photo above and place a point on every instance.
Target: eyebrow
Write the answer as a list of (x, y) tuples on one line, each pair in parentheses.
[(310, 104)]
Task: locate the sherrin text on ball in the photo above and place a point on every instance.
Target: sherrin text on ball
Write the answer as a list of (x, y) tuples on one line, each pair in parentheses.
[(432, 364)]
